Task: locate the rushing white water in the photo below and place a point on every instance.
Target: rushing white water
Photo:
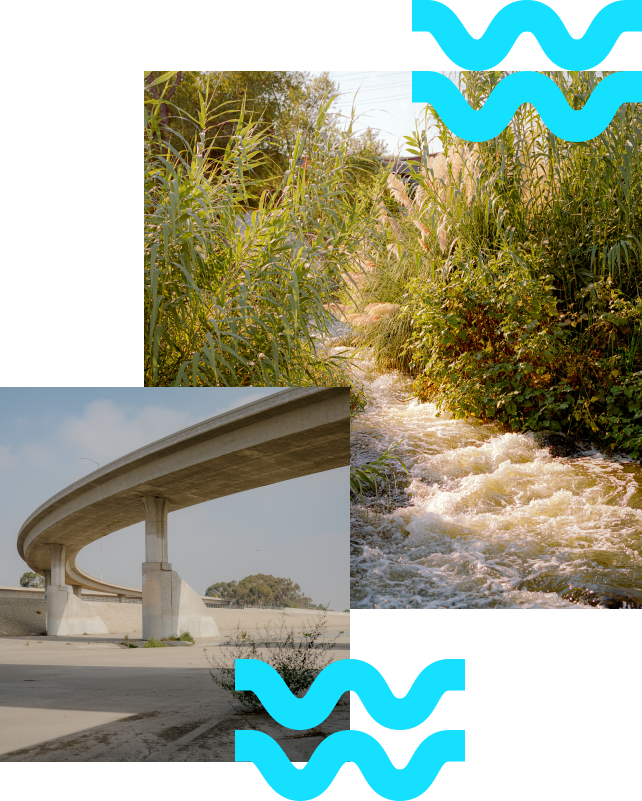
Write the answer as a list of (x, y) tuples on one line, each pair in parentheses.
[(492, 520)]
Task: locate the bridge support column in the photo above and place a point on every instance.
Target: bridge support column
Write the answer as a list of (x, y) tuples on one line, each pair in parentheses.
[(170, 606), (66, 613)]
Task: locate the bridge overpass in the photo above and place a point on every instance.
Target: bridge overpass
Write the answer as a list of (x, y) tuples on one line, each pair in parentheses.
[(291, 433)]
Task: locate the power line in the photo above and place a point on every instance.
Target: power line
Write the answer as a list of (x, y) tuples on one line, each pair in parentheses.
[(373, 74), (362, 82), (367, 72), (380, 86), (371, 100)]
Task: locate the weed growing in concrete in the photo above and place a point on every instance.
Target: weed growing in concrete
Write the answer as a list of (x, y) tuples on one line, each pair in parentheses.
[(154, 643), (38, 612), (297, 661), (184, 637)]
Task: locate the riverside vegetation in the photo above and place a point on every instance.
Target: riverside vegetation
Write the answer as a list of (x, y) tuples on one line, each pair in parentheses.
[(243, 257), (516, 268), (513, 266)]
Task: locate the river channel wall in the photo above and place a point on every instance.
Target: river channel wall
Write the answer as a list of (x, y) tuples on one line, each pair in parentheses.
[(23, 616)]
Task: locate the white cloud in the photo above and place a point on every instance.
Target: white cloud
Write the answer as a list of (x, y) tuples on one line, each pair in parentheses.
[(107, 431), (38, 456)]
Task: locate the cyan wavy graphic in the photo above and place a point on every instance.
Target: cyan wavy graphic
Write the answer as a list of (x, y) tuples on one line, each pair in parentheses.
[(350, 674), (397, 784), (527, 87), (522, 16)]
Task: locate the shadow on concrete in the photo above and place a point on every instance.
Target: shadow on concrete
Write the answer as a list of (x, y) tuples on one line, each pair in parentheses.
[(127, 713), (40, 706)]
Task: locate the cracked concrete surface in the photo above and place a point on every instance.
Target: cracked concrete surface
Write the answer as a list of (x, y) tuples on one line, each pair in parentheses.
[(79, 699)]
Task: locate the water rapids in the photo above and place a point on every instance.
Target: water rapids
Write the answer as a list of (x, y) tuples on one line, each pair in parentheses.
[(489, 519)]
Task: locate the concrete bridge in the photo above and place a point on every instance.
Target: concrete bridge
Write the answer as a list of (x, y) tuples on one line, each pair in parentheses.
[(291, 433)]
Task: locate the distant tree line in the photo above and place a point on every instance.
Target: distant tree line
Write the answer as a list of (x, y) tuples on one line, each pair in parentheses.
[(262, 590)]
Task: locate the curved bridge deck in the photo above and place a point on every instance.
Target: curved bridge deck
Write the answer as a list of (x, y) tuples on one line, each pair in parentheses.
[(291, 433)]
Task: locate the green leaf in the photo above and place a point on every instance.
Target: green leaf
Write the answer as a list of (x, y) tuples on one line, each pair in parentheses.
[(163, 78)]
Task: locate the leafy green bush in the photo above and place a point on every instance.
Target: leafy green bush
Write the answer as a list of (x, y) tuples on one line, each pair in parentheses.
[(491, 344), (186, 637)]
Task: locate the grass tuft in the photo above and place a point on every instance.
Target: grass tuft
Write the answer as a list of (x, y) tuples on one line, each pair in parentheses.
[(154, 643)]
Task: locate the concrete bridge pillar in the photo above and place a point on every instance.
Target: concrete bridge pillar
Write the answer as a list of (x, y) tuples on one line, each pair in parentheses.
[(57, 564), (157, 572), (155, 528), (170, 606), (67, 614)]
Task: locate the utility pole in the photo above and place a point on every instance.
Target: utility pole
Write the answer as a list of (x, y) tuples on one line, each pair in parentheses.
[(101, 542)]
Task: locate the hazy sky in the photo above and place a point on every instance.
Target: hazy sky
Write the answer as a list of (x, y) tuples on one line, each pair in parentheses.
[(383, 99), (300, 527)]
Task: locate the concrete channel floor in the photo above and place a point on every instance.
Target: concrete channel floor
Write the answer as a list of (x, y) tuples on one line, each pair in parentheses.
[(79, 699)]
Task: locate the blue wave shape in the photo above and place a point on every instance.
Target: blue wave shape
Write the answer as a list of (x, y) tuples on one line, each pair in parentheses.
[(397, 784), (350, 674), (527, 87), (534, 17)]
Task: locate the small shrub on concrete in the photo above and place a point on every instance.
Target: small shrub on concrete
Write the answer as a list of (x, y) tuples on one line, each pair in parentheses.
[(186, 637), (154, 643), (297, 661)]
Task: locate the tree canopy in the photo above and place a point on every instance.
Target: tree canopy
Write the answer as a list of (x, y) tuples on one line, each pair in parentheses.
[(30, 579), (261, 590)]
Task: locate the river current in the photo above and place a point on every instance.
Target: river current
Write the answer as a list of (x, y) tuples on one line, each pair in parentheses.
[(489, 519)]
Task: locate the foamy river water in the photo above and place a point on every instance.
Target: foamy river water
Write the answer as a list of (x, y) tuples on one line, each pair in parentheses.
[(490, 519)]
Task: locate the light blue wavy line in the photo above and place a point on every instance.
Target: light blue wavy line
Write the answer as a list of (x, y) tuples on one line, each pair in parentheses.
[(517, 18), (350, 674), (527, 87), (397, 784)]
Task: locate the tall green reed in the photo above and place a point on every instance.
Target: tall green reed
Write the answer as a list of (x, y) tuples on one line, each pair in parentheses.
[(237, 276)]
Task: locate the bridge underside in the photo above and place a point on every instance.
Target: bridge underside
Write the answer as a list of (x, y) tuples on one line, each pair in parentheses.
[(275, 440)]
